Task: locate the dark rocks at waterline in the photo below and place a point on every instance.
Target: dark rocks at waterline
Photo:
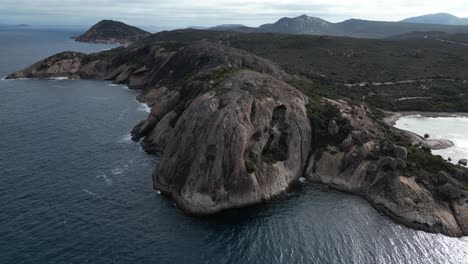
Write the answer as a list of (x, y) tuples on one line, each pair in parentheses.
[(463, 162)]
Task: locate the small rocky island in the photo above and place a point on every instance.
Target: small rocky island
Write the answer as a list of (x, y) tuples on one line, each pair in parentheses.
[(235, 129), (109, 31)]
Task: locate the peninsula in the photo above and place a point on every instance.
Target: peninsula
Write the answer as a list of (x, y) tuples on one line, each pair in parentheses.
[(239, 117)]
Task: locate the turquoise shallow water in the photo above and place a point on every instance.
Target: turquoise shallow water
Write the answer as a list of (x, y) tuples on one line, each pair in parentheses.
[(451, 128), (75, 189)]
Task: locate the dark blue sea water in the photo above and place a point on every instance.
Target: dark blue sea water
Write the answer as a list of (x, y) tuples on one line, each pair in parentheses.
[(75, 189)]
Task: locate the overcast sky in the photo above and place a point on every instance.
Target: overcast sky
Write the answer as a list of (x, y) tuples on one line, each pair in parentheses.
[(182, 13)]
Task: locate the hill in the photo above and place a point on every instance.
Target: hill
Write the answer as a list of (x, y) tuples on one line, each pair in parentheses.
[(109, 31), (227, 27), (352, 28), (439, 18)]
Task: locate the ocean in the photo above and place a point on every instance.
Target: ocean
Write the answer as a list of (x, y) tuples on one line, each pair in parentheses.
[(75, 189)]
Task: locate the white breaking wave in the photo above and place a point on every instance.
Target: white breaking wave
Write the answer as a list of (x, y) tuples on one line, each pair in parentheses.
[(89, 192), (123, 86), (120, 170), (117, 171), (58, 78), (126, 139), (106, 179), (144, 107)]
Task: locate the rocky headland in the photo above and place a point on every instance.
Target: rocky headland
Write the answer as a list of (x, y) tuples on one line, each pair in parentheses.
[(109, 31), (232, 130)]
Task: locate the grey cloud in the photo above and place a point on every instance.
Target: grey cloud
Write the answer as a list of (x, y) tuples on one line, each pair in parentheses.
[(180, 13)]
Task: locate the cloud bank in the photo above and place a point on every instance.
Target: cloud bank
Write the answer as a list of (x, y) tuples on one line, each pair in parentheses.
[(182, 13)]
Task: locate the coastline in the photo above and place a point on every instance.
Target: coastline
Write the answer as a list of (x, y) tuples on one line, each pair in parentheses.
[(434, 144), (392, 117)]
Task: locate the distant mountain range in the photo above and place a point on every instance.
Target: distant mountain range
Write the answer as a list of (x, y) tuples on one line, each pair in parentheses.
[(108, 31), (439, 18), (352, 28)]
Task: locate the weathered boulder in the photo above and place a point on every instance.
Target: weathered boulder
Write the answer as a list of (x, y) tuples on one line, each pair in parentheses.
[(347, 142), (449, 192), (333, 128), (400, 152), (241, 143), (461, 215), (442, 178), (463, 162)]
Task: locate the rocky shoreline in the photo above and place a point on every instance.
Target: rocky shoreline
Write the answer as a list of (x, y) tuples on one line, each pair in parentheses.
[(435, 144), (392, 117), (232, 132)]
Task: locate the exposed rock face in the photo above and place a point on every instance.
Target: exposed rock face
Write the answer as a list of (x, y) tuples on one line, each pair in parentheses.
[(108, 31), (421, 202), (65, 64), (240, 143), (333, 128)]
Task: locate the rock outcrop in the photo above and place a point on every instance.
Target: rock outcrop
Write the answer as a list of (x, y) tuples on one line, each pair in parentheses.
[(242, 142), (231, 132), (377, 170), (109, 31), (65, 64)]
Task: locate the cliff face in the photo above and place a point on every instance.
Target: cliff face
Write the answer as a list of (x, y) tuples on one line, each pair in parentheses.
[(108, 31), (241, 142), (231, 132)]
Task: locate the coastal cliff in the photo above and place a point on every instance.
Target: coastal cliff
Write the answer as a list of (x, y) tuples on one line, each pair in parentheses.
[(233, 130)]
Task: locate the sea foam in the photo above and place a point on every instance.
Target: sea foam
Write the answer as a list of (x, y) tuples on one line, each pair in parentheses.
[(126, 139), (58, 78), (89, 192), (106, 179), (144, 107)]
